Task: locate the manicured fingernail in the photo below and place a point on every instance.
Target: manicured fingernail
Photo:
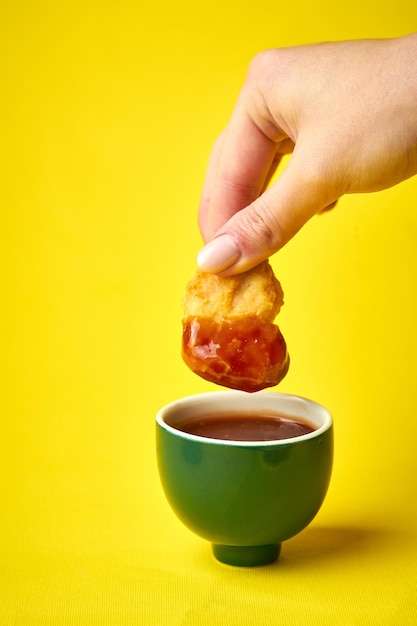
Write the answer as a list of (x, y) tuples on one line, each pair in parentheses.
[(218, 254)]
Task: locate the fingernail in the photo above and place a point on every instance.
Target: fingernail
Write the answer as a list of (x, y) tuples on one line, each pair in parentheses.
[(218, 254)]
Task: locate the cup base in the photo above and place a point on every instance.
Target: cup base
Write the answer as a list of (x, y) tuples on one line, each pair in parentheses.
[(246, 556)]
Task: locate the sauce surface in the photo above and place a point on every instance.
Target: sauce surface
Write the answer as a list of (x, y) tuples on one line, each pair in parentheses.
[(250, 427)]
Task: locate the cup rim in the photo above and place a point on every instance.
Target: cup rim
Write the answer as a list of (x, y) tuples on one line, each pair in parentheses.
[(264, 398)]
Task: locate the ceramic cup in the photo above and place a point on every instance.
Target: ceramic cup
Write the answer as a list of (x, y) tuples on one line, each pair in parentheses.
[(245, 497)]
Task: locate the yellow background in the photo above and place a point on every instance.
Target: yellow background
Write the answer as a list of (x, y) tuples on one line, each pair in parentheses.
[(108, 111)]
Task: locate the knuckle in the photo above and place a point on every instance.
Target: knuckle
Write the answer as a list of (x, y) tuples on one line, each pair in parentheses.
[(266, 64), (261, 227)]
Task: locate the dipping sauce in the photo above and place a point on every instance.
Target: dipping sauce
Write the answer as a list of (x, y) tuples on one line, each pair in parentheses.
[(252, 426)]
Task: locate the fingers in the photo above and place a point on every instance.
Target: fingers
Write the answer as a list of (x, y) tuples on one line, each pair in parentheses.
[(271, 220), (242, 162), (232, 196), (203, 214)]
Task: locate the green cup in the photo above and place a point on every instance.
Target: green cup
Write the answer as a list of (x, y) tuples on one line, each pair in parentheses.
[(245, 497)]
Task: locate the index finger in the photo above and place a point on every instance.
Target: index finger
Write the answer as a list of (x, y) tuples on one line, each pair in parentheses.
[(239, 167)]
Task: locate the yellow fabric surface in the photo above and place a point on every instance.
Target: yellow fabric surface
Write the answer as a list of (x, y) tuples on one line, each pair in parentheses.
[(107, 116)]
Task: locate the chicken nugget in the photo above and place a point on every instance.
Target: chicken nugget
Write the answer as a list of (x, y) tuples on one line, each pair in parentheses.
[(229, 336)]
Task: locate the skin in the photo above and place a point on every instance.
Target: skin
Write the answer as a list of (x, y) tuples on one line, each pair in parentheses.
[(347, 113)]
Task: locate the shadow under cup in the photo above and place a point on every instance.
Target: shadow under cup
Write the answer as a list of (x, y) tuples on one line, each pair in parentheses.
[(245, 497)]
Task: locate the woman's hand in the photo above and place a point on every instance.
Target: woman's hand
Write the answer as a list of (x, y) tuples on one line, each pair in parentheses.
[(347, 111)]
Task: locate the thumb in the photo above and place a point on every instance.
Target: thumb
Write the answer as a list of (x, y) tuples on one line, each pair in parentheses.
[(263, 227)]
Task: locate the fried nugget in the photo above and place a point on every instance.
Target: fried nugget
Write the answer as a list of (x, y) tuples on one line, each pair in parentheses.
[(229, 337)]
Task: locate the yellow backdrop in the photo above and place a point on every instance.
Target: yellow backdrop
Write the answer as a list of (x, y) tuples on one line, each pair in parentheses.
[(107, 115)]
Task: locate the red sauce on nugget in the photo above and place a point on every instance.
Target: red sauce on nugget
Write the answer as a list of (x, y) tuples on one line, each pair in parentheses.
[(242, 353)]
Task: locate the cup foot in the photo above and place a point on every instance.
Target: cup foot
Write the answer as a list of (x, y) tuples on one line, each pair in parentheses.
[(246, 556)]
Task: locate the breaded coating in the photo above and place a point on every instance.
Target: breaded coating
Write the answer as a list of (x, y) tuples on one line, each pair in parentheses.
[(256, 292)]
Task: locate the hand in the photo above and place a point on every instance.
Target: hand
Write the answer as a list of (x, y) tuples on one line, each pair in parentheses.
[(347, 111)]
